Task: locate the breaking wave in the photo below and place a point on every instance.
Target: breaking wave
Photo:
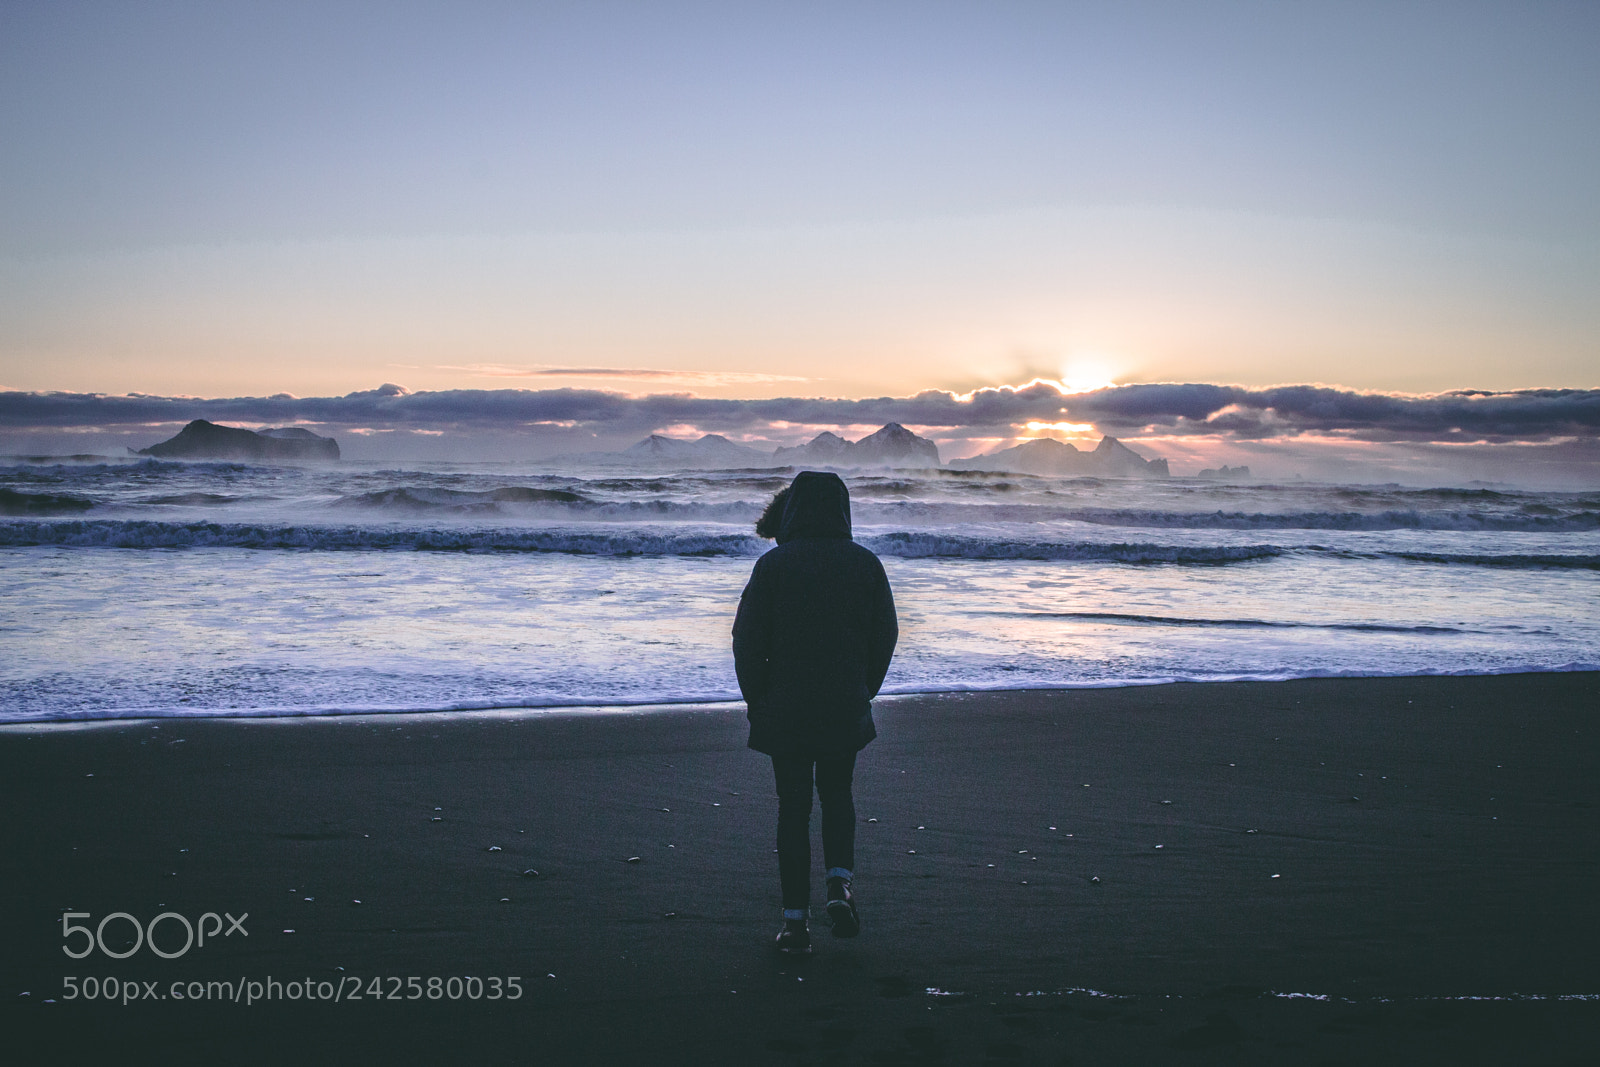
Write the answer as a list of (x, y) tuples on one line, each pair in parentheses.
[(182, 535), (663, 540), (15, 503), (147, 534)]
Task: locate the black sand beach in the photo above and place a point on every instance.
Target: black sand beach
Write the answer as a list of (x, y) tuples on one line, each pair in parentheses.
[(1324, 871)]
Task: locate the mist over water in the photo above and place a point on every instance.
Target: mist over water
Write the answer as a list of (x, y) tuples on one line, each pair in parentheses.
[(159, 588)]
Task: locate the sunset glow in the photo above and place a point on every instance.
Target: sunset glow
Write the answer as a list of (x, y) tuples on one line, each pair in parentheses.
[(789, 215)]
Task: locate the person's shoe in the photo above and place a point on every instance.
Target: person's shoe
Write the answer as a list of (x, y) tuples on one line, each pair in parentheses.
[(793, 938), (842, 908)]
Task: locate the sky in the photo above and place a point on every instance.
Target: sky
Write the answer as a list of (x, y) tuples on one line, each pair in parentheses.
[(574, 224)]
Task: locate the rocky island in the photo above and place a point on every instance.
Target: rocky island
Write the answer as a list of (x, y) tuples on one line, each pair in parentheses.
[(207, 440)]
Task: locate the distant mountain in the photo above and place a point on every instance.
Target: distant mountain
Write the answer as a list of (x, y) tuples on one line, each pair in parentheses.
[(822, 449), (713, 450), (207, 440), (892, 446), (1043, 455), (1225, 474), (1117, 458), (1110, 459)]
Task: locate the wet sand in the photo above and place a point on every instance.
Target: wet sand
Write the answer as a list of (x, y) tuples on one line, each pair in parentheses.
[(1318, 871)]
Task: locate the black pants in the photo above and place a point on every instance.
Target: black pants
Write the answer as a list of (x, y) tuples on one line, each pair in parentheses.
[(833, 777)]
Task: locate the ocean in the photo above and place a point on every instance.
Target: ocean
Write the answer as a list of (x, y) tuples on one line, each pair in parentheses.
[(146, 588)]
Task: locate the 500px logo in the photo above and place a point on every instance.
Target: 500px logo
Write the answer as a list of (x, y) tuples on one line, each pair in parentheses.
[(194, 934)]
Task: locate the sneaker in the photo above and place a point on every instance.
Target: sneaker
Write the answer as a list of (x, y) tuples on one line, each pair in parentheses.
[(793, 938), (842, 909)]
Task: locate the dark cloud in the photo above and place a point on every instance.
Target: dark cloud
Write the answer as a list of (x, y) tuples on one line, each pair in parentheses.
[(1524, 415), (1175, 409)]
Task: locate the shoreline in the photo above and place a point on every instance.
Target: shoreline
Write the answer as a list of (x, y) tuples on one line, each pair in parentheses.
[(653, 706), (1432, 837)]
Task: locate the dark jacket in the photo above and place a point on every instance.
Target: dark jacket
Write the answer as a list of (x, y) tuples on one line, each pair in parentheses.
[(815, 629)]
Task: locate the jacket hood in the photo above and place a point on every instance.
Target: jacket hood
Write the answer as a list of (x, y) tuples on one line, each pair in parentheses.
[(818, 506)]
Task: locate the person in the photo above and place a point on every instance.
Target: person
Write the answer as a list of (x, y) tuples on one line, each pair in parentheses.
[(812, 642)]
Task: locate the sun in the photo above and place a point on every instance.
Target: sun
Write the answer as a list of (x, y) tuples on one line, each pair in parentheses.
[(1084, 372)]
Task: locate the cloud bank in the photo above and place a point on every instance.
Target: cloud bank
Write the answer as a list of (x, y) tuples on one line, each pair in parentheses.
[(1186, 410)]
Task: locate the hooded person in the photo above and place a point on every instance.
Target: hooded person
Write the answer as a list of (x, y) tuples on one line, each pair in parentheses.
[(811, 645)]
